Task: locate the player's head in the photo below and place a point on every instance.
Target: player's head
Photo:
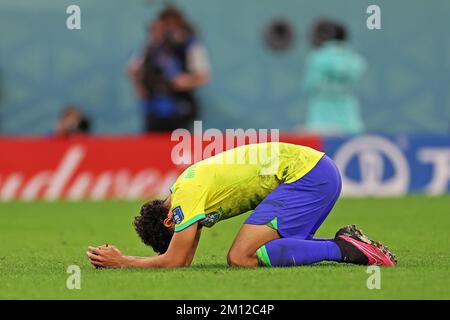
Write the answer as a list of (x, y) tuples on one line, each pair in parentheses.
[(154, 225)]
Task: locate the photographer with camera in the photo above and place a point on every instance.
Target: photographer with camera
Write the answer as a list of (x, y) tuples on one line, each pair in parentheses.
[(167, 73)]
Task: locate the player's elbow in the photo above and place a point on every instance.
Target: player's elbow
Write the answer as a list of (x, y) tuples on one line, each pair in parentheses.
[(177, 262)]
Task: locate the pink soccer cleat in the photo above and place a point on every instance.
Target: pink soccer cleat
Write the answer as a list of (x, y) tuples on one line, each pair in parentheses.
[(357, 248)]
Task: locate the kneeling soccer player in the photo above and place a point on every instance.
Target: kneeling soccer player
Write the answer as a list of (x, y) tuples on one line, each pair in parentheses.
[(290, 191)]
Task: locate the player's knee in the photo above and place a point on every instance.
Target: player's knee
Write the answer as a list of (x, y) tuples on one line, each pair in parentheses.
[(236, 258), (233, 259)]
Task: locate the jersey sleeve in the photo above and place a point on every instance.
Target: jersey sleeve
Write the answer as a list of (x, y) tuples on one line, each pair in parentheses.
[(188, 207)]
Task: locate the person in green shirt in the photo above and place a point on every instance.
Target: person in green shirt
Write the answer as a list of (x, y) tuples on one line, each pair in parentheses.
[(333, 71)]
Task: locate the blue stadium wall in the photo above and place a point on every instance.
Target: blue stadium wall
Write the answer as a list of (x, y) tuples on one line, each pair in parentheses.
[(44, 66)]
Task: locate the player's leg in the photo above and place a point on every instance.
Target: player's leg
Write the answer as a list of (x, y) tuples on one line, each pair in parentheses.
[(296, 252), (261, 245), (318, 192), (249, 239), (294, 212), (354, 247), (306, 204)]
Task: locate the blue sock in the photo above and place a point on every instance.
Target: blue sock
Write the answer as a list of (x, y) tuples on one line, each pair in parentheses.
[(322, 239), (295, 252)]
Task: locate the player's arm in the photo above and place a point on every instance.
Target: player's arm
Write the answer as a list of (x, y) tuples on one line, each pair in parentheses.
[(194, 247), (179, 254)]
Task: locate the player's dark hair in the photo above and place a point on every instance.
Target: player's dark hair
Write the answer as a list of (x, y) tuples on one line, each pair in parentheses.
[(150, 226)]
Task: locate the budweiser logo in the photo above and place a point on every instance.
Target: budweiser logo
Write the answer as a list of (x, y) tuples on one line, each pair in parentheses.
[(69, 182)]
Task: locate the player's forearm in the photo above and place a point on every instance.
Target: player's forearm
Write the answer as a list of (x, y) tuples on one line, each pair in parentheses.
[(194, 247), (161, 261)]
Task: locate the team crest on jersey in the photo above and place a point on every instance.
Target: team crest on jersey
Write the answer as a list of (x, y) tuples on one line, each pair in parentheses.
[(211, 219), (177, 215)]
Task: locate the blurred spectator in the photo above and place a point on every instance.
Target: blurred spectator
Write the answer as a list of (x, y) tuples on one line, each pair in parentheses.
[(333, 70), (165, 75), (72, 121)]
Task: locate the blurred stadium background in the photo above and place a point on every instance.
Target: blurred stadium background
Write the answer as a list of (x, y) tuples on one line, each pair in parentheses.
[(44, 66)]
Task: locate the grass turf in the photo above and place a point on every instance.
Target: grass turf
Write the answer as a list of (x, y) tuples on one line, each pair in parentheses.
[(39, 240)]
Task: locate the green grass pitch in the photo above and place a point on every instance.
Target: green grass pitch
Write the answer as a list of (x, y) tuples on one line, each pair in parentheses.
[(38, 240)]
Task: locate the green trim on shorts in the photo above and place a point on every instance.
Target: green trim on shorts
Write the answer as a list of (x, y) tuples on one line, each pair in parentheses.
[(263, 257), (273, 224)]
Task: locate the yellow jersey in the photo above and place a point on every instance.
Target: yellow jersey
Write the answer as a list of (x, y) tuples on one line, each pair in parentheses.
[(236, 181)]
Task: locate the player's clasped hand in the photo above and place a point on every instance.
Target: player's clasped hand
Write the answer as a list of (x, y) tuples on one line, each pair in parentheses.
[(105, 256)]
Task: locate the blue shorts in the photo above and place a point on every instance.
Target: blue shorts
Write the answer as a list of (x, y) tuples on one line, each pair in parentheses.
[(298, 209)]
